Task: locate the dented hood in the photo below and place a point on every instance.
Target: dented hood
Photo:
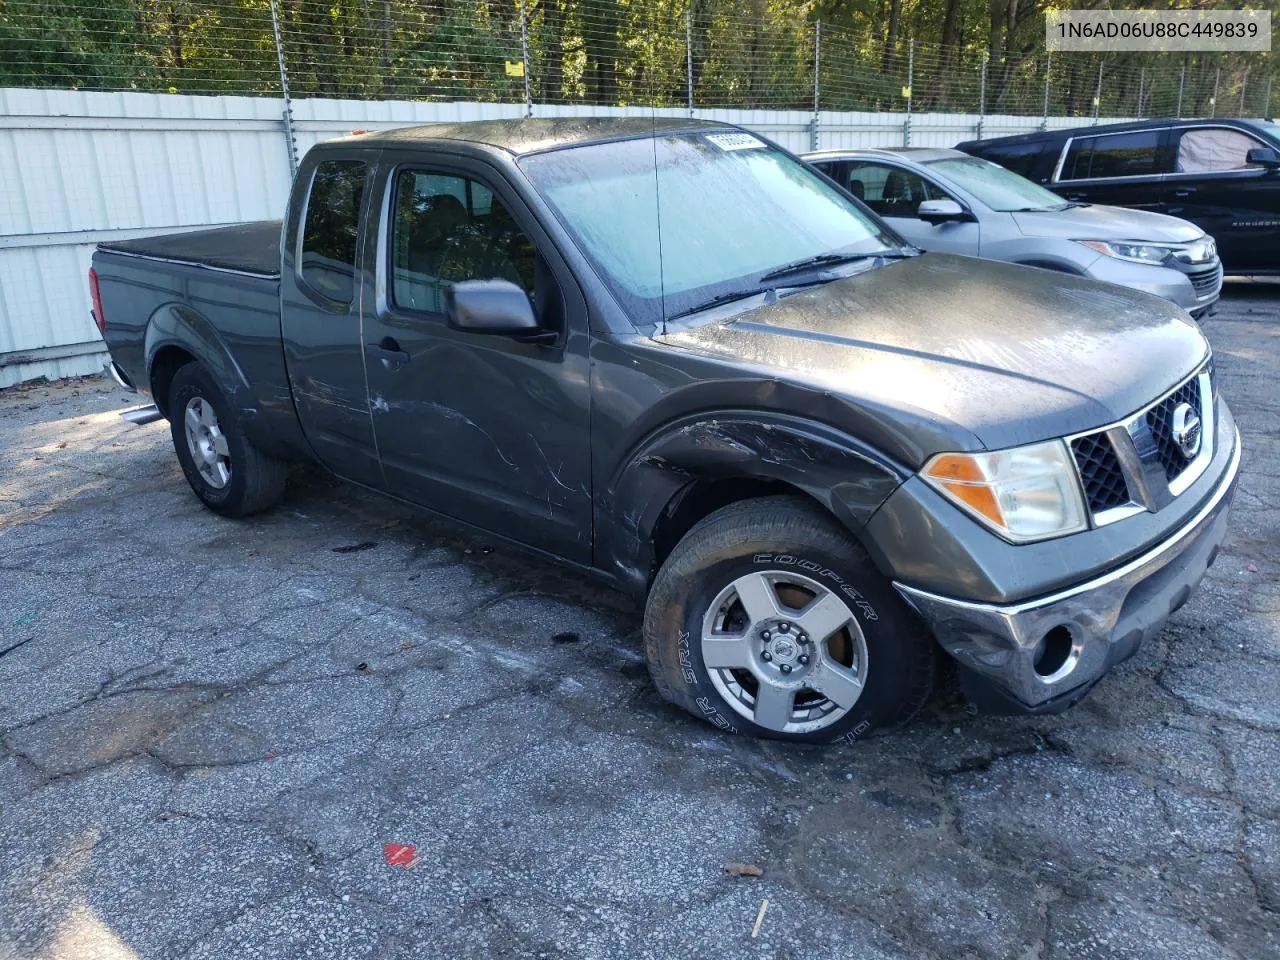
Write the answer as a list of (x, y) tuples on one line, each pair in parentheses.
[(965, 353)]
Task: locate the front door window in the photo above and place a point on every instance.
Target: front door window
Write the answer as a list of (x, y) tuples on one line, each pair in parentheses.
[(891, 191), (449, 228), (1213, 150)]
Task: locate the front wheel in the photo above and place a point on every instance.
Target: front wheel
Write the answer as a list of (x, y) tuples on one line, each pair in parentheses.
[(768, 619), (226, 471)]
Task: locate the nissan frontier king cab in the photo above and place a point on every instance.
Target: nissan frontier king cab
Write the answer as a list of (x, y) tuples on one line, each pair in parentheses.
[(669, 353)]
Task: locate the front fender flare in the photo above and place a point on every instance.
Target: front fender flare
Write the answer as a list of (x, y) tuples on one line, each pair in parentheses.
[(845, 475)]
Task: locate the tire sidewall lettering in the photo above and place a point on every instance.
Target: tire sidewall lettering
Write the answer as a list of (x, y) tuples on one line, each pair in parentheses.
[(690, 677), (819, 571), (686, 659), (854, 735), (712, 714)]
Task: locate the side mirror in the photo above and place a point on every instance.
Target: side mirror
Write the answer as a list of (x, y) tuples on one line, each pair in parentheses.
[(942, 211), (1263, 157), (490, 306)]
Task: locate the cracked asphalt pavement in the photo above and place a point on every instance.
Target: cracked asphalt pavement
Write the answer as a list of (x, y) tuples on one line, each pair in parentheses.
[(209, 729)]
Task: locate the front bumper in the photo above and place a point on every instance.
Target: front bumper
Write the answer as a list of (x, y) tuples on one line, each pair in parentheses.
[(1044, 654), (1194, 288)]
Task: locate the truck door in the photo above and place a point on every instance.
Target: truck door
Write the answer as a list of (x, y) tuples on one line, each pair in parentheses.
[(486, 428), (320, 314)]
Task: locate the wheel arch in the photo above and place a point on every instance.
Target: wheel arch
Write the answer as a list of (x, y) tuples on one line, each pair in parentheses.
[(695, 465), (166, 362), (701, 497), (176, 335)]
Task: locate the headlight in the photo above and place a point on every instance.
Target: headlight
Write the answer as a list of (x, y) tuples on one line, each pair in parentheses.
[(1135, 252), (1202, 251), (1024, 494)]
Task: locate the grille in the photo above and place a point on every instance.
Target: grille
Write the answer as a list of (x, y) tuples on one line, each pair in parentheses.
[(1204, 281), (1160, 423), (1100, 472)]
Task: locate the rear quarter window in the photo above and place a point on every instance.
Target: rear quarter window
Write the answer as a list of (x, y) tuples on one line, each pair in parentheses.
[(331, 225)]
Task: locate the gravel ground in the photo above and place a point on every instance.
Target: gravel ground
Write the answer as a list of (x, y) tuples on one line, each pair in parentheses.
[(210, 729)]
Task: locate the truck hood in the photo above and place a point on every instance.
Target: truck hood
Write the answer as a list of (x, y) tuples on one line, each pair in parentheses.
[(942, 352), (1097, 222)]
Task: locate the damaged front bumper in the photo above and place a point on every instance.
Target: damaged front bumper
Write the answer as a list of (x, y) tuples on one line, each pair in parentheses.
[(1042, 655)]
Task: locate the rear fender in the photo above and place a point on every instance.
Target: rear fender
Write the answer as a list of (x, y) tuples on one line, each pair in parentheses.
[(843, 474), (178, 325)]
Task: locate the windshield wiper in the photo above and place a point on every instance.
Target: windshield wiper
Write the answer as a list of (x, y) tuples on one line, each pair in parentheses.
[(821, 260), (715, 301), (826, 259)]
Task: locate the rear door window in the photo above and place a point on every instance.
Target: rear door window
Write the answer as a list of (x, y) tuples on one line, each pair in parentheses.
[(1137, 154), (327, 261), (1213, 150)]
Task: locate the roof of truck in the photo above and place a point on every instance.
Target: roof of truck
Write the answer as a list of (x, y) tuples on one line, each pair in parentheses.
[(536, 135)]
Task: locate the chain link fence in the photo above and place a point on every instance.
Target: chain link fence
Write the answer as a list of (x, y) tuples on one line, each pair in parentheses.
[(688, 53)]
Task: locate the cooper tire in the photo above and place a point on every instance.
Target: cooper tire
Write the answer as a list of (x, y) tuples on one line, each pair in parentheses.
[(876, 669), (227, 472)]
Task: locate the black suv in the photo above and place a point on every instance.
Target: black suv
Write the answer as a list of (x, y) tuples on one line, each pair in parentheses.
[(1222, 175)]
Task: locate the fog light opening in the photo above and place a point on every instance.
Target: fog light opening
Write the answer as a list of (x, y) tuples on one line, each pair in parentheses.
[(1054, 651)]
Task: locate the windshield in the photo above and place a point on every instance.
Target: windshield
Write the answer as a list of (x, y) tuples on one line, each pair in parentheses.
[(998, 188), (723, 209)]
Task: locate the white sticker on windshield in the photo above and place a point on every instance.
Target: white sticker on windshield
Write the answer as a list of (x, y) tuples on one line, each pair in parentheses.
[(736, 141)]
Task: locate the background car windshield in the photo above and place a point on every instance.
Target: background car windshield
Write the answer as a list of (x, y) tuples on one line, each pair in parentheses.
[(722, 209), (995, 186)]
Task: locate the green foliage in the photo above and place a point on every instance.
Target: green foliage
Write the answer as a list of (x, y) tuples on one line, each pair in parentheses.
[(952, 55)]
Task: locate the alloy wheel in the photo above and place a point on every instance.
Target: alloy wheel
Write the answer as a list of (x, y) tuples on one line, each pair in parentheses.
[(784, 651), (207, 443)]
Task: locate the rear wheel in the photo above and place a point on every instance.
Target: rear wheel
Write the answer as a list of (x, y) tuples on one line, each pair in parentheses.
[(768, 619), (226, 471)]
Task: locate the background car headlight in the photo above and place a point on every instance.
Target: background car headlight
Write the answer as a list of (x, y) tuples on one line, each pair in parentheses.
[(1023, 494), (1202, 251), (1136, 252)]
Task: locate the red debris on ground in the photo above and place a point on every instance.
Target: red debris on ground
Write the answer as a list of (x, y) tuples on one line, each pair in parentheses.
[(401, 855)]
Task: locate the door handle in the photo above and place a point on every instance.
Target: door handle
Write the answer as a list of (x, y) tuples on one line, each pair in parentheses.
[(1184, 191), (390, 350)]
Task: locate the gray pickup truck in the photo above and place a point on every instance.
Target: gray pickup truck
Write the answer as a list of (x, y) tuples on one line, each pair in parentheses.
[(672, 355)]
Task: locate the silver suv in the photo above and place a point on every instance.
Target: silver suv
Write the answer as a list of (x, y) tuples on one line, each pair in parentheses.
[(948, 201)]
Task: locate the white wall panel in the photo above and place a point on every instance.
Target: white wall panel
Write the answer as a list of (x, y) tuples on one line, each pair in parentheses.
[(79, 167)]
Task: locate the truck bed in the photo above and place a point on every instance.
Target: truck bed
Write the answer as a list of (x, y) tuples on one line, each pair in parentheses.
[(245, 247)]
